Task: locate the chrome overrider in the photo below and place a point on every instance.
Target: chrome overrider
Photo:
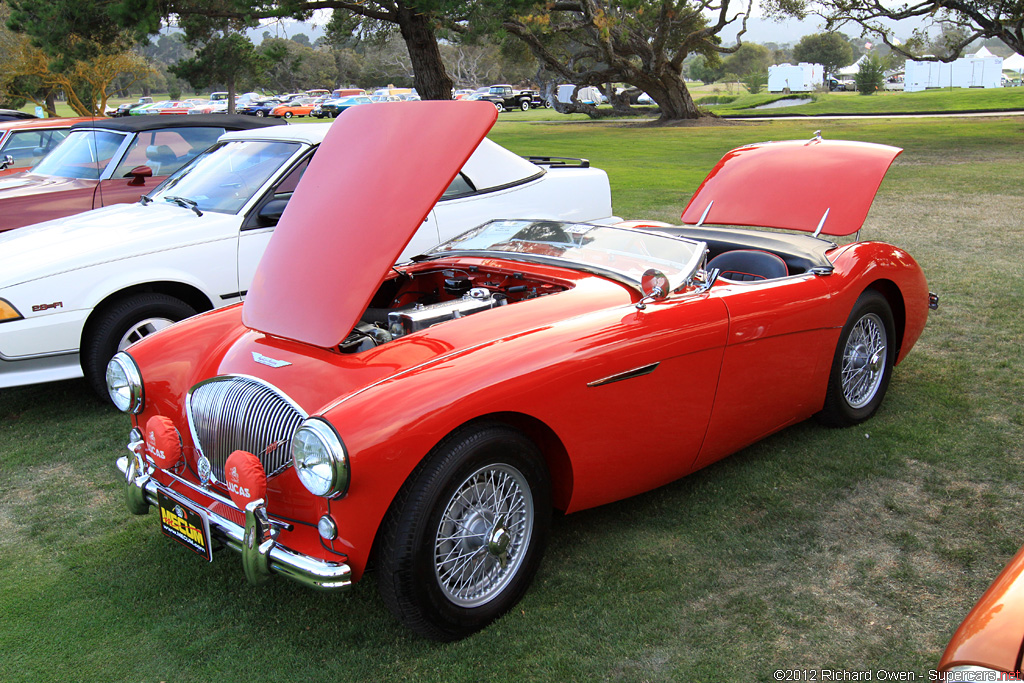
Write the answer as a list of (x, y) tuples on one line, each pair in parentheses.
[(262, 555)]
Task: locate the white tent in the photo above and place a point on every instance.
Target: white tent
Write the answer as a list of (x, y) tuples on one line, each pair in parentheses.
[(1014, 63), (854, 68), (983, 52)]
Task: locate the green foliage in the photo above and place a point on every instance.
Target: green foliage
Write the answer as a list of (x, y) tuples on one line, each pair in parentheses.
[(707, 70), (748, 59), (871, 77), (70, 31), (754, 81), (831, 50), (717, 99), (223, 59)]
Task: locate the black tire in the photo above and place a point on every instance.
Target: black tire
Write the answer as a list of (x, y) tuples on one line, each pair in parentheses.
[(260, 113), (287, 114), (118, 324), (547, 104), (525, 105), (862, 365), (499, 106), (443, 508)]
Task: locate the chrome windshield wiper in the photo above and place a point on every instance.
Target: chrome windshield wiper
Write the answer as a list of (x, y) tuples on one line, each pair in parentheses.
[(145, 199), (187, 203)]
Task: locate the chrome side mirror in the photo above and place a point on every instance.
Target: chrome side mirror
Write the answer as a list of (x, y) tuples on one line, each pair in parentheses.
[(7, 162), (655, 288)]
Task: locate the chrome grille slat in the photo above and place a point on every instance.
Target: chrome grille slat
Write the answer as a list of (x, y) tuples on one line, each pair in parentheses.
[(236, 412)]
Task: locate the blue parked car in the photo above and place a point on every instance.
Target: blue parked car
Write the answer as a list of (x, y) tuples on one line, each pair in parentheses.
[(332, 108), (261, 108)]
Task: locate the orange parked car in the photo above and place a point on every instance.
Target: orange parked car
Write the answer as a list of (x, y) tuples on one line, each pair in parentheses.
[(300, 106), (24, 142), (989, 644)]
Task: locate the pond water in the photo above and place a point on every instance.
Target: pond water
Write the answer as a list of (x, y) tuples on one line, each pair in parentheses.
[(792, 102)]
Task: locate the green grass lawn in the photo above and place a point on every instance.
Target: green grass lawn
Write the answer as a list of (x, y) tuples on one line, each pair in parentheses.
[(856, 549), (888, 102)]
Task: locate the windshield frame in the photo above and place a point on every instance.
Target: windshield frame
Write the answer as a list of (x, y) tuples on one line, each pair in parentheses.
[(677, 280)]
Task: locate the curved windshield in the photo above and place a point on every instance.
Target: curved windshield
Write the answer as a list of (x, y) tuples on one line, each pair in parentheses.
[(624, 252), (83, 154), (226, 176)]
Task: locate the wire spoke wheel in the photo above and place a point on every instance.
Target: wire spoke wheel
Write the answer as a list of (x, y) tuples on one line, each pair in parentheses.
[(484, 531), (465, 535), (864, 361)]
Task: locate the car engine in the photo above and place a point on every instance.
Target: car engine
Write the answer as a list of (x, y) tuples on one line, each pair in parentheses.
[(414, 301)]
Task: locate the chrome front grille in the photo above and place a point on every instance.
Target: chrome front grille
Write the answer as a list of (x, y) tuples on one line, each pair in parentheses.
[(232, 413)]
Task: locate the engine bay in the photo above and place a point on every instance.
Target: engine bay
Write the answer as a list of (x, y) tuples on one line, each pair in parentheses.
[(412, 300)]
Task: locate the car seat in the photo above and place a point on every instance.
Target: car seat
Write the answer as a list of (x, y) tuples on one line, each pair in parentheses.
[(161, 159), (748, 265)]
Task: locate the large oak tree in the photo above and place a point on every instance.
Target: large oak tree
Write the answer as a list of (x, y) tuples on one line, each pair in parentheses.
[(640, 42)]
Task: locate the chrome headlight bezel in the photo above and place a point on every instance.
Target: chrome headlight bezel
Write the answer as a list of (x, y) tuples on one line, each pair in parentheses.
[(320, 459), (124, 384)]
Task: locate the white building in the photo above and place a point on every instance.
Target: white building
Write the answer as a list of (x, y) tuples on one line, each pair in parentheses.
[(802, 77), (966, 72)]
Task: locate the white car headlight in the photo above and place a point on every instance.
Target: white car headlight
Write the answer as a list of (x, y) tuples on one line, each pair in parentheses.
[(124, 383), (320, 459)]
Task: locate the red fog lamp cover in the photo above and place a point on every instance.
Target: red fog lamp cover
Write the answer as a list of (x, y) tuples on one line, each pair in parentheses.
[(245, 478), (163, 443)]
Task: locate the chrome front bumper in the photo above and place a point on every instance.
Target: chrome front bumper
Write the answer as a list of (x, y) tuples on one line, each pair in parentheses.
[(262, 555)]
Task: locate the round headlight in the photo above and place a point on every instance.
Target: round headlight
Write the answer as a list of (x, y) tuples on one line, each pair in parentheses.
[(124, 383), (320, 459)]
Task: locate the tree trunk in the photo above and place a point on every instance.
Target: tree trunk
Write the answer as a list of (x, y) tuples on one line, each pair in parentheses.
[(51, 104), (669, 91), (231, 94), (429, 75)]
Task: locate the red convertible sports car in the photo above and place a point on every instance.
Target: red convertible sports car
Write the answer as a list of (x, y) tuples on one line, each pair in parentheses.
[(428, 417)]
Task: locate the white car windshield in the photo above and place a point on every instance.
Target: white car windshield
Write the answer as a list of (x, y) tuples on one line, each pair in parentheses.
[(83, 154), (226, 176), (623, 253)]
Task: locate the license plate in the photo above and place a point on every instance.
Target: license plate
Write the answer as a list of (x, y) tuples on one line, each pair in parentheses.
[(185, 524)]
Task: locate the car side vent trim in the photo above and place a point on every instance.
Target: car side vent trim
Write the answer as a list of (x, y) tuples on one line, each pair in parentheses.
[(629, 374), (238, 412)]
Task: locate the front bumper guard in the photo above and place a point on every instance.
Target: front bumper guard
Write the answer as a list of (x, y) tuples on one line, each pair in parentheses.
[(262, 555)]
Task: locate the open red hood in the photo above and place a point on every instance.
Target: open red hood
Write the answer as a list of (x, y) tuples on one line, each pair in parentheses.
[(372, 183), (791, 185)]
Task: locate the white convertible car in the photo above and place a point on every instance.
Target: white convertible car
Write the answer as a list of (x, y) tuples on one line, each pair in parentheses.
[(73, 291)]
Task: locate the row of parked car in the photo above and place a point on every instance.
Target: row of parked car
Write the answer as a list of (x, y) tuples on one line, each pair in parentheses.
[(432, 413)]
